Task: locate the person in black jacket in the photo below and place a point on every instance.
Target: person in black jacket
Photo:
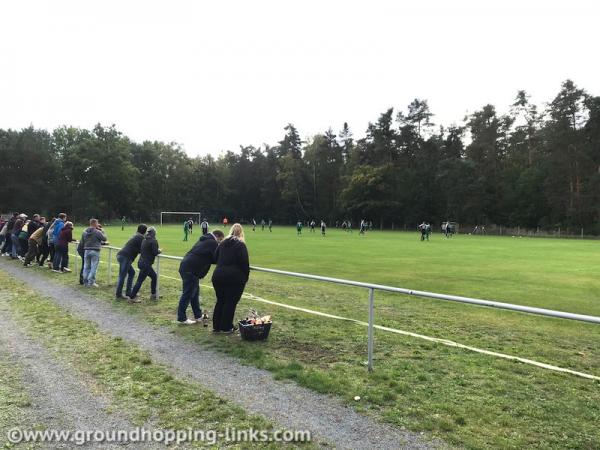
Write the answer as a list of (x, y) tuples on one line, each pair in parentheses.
[(126, 257), (229, 278), (193, 267), (148, 252)]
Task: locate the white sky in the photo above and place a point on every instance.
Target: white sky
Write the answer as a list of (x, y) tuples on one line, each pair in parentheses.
[(214, 75)]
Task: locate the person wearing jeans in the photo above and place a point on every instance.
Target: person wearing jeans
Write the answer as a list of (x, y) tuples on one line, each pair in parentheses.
[(126, 257), (92, 240), (148, 252), (15, 249), (193, 267), (91, 260), (190, 295), (61, 248), (126, 271), (8, 228)]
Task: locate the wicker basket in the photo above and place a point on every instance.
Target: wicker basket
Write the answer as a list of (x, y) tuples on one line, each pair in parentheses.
[(252, 332)]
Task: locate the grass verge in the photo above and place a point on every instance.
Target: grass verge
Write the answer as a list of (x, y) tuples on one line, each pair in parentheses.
[(147, 392), (15, 402)]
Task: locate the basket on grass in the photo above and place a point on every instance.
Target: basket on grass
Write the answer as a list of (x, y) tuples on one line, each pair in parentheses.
[(254, 327)]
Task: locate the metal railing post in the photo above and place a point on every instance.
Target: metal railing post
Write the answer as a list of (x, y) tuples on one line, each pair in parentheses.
[(157, 277), (371, 323), (109, 265)]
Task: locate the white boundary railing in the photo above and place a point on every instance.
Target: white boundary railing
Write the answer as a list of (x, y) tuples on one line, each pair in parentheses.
[(372, 288)]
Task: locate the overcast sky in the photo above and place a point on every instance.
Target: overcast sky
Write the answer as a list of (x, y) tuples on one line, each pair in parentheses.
[(214, 75)]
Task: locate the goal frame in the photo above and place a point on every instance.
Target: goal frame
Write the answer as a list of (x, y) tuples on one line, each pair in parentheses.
[(189, 213)]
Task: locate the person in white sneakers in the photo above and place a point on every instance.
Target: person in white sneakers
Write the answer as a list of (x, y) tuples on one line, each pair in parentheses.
[(194, 266), (93, 238)]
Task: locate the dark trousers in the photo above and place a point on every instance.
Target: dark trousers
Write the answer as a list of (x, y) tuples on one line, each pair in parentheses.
[(228, 296), (44, 252), (32, 251), (81, 255), (125, 270), (51, 248), (146, 270), (61, 257), (24, 245), (190, 294)]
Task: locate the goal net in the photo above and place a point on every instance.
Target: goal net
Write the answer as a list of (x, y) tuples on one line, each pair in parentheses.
[(179, 216)]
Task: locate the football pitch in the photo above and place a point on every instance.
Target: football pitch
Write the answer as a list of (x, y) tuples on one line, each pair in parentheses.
[(464, 397)]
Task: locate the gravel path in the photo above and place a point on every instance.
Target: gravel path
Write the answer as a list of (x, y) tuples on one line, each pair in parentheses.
[(60, 399), (286, 404)]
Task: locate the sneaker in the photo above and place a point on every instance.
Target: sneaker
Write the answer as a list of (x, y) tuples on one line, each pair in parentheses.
[(95, 285), (233, 330), (57, 271), (186, 322), (134, 300), (26, 265), (66, 269), (121, 297), (205, 320), (153, 297)]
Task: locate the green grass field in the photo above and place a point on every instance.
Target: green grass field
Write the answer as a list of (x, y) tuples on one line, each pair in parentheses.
[(465, 398)]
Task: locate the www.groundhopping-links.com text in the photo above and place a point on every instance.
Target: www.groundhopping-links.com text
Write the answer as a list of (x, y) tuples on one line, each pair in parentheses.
[(166, 437)]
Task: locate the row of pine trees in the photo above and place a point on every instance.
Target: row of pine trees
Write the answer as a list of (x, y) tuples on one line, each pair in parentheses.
[(531, 167)]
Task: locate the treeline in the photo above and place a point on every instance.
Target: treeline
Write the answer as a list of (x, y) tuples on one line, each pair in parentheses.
[(530, 168)]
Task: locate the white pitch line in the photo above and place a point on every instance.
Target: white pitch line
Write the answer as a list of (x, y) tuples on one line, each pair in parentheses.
[(446, 342)]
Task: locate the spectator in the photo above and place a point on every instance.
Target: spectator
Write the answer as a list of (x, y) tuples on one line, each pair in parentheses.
[(126, 257), (193, 267), (61, 248), (36, 222), (58, 226), (44, 248), (7, 248), (93, 238), (229, 278), (15, 249), (35, 241), (59, 222), (23, 238), (148, 252)]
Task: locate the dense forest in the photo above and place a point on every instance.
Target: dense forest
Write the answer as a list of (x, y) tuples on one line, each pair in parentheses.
[(533, 167)]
